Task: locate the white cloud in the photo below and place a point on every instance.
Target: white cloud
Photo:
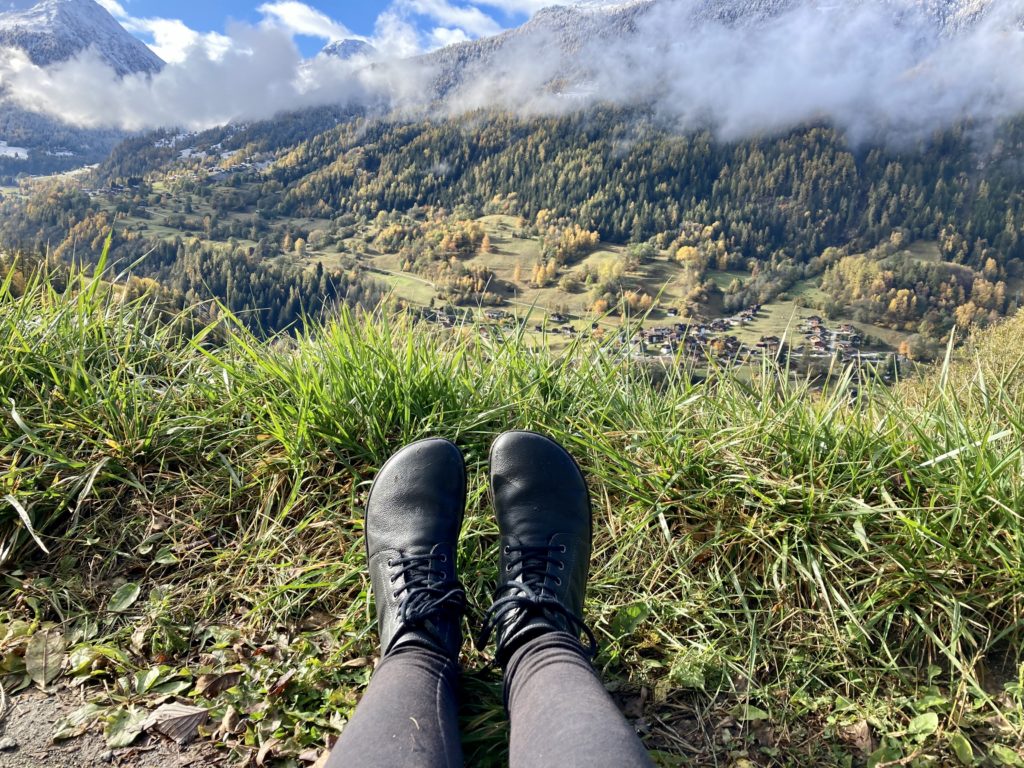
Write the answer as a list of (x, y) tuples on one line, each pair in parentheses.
[(260, 74), (470, 19), (394, 35), (443, 36), (113, 8), (301, 19), (409, 27), (519, 6), (173, 40)]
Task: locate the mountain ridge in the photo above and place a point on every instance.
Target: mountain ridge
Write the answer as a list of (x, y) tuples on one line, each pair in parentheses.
[(53, 31)]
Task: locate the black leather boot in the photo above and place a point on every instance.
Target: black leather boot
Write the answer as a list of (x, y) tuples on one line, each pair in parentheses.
[(543, 510), (413, 517)]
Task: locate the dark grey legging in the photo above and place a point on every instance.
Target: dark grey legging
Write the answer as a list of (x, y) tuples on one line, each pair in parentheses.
[(560, 713)]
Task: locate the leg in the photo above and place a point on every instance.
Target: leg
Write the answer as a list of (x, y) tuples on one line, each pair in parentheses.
[(407, 718), (408, 715), (561, 714)]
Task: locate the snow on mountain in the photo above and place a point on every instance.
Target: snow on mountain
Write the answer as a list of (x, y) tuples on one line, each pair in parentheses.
[(349, 49), (561, 31), (51, 31)]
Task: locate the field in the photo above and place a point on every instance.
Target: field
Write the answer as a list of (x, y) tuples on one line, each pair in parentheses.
[(781, 576), (658, 278)]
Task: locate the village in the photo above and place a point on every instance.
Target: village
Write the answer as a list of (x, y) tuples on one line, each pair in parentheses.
[(815, 342)]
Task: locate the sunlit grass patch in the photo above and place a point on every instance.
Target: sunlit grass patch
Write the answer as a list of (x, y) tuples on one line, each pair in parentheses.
[(782, 574)]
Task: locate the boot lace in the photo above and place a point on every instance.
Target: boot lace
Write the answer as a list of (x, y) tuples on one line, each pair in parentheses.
[(428, 593), (526, 589)]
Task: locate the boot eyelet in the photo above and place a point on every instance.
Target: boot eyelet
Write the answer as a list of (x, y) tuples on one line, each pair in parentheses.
[(562, 549), (394, 594), (506, 549), (558, 581), (391, 563), (561, 565), (444, 558)]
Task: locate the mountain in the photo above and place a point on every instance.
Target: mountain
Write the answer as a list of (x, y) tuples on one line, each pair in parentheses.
[(562, 31), (349, 49), (52, 31)]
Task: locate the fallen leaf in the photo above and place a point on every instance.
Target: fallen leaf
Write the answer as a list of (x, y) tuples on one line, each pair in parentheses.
[(230, 722), (211, 685), (77, 723), (124, 727), (360, 663), (44, 656), (178, 722), (859, 735), (282, 682), (268, 746)]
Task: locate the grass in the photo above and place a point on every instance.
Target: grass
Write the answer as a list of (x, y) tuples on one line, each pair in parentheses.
[(779, 577)]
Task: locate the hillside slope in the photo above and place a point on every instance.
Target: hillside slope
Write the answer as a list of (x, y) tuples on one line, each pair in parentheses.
[(820, 577)]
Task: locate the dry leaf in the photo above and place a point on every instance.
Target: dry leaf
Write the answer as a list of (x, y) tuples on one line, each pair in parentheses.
[(859, 735), (230, 722), (268, 746), (282, 682), (362, 661), (178, 722), (44, 656), (211, 685)]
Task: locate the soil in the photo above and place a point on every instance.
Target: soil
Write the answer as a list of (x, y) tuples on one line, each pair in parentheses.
[(27, 732)]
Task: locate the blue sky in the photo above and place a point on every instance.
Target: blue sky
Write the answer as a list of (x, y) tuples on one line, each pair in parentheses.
[(403, 26)]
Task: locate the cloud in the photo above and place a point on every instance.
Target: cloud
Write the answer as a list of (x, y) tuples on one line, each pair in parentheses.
[(518, 6), (394, 35), (877, 68), (301, 19), (470, 19), (172, 38), (260, 74), (442, 36)]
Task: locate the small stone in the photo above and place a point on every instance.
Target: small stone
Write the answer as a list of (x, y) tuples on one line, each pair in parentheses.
[(108, 756), (7, 744)]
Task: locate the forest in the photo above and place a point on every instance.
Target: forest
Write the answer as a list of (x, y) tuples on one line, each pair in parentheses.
[(805, 204)]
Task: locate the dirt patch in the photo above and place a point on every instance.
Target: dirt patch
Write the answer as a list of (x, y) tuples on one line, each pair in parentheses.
[(27, 733)]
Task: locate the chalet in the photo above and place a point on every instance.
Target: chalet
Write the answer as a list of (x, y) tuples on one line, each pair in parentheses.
[(673, 312), (770, 342), (559, 318)]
